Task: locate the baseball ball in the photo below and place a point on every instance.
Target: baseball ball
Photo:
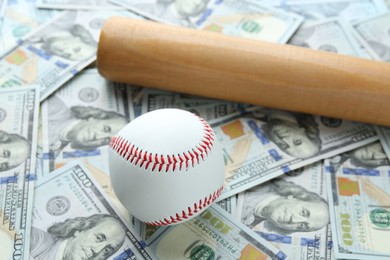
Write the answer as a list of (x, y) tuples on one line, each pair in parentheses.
[(166, 166)]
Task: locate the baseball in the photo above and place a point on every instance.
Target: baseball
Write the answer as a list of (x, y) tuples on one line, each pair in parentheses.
[(166, 166)]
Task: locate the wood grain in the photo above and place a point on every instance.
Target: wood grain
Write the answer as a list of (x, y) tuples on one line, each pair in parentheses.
[(248, 71)]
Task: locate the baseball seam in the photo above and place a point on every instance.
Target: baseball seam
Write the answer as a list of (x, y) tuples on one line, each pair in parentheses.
[(160, 162), (197, 207)]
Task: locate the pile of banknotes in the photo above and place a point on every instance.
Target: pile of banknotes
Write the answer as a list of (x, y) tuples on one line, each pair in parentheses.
[(296, 186)]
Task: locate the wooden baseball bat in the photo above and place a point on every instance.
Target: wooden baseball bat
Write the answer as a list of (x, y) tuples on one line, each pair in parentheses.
[(247, 71)]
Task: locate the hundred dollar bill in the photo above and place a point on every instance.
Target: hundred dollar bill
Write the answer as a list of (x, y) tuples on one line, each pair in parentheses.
[(187, 100), (74, 219), (21, 17), (249, 19), (39, 152), (153, 99), (97, 163), (135, 93), (18, 141), (229, 205), (77, 5), (330, 35), (359, 200), (348, 10), (56, 51), (375, 34), (80, 118), (265, 143), (146, 231), (3, 4), (244, 18), (214, 234), (216, 110), (291, 212), (172, 12), (364, 53), (384, 137), (204, 107)]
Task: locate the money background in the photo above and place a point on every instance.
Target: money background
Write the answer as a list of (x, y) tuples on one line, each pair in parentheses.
[(47, 54)]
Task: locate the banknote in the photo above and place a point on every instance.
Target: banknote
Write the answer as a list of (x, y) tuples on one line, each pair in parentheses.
[(384, 137), (187, 100), (229, 205), (332, 35), (21, 18), (204, 107), (153, 99), (348, 10), (77, 4), (265, 143), (171, 12), (291, 212), (80, 118), (135, 93), (375, 34), (74, 219), (214, 234), (216, 110), (249, 19), (146, 231), (364, 52), (39, 152), (3, 4), (55, 52), (359, 200), (18, 141)]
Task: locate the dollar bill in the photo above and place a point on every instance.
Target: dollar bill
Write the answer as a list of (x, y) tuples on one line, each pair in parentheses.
[(246, 19), (265, 143), (21, 18), (77, 5), (135, 93), (364, 53), (188, 101), (171, 12), (332, 35), (85, 99), (249, 19), (55, 52), (39, 152), (384, 137), (74, 219), (375, 34), (153, 99), (3, 4), (214, 234), (206, 108), (348, 10), (291, 212), (216, 110), (80, 118), (359, 199), (146, 231), (18, 141), (229, 205)]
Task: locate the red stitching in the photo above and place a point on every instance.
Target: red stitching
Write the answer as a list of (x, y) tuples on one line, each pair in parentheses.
[(190, 211), (159, 162)]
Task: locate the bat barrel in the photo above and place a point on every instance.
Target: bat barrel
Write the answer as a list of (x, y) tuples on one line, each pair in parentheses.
[(254, 72)]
